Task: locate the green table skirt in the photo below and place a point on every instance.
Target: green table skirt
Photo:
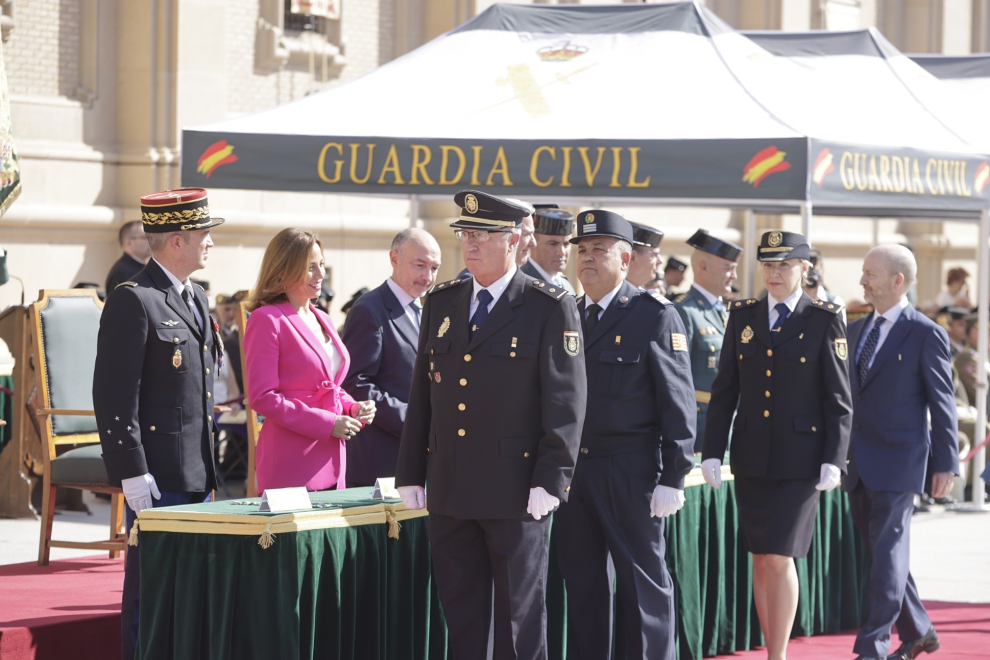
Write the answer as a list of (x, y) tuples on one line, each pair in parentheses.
[(352, 592)]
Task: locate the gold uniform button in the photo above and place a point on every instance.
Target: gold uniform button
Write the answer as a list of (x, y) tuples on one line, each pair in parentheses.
[(713, 349), (512, 354), (768, 373), (151, 428), (802, 359), (207, 372), (427, 450), (814, 429), (567, 490), (766, 413), (526, 454), (431, 351), (461, 406), (584, 450), (467, 358), (847, 462), (461, 432), (768, 393), (209, 394), (769, 353), (204, 349), (463, 382), (740, 356), (175, 340)]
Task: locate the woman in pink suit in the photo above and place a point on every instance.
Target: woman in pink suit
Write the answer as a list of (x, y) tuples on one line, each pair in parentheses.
[(295, 363)]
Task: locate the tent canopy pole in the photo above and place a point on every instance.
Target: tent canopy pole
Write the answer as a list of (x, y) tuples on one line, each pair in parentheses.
[(983, 314)]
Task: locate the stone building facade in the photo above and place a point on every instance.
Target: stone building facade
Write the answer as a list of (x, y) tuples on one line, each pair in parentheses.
[(101, 89)]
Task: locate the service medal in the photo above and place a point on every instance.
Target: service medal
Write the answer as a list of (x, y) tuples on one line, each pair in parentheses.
[(747, 335), (444, 327), (177, 358), (841, 348), (436, 376), (572, 343)]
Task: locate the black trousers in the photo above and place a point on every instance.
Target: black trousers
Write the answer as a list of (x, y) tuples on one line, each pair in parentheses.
[(608, 515), (492, 572)]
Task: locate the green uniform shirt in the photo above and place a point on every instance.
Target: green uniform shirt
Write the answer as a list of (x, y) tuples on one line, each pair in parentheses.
[(705, 328)]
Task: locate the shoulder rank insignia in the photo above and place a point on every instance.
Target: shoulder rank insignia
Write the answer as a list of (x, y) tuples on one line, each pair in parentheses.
[(841, 348), (826, 306), (742, 304), (551, 290), (680, 298), (747, 335), (128, 283), (655, 295), (444, 327), (446, 285)]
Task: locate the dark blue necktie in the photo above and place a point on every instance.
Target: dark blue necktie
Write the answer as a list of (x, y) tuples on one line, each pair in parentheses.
[(480, 314), (869, 348), (782, 314)]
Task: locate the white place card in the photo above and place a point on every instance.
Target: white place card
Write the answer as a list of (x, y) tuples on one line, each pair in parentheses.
[(280, 500), (385, 489)]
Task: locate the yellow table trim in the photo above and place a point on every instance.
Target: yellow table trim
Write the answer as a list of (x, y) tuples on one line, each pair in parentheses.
[(251, 517), (257, 527)]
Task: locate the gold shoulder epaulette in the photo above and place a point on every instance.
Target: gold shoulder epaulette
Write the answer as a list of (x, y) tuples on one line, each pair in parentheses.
[(128, 283), (680, 298), (742, 304), (446, 285), (551, 290), (826, 306)]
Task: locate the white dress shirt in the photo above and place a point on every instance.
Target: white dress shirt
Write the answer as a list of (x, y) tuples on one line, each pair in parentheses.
[(405, 300), (603, 303), (180, 286), (791, 301), (497, 288), (891, 316)]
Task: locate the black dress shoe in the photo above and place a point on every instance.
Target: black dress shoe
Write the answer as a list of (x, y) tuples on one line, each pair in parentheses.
[(866, 657), (911, 650)]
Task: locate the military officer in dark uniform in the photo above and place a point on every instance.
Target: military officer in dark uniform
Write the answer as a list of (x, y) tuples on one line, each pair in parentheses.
[(646, 259), (673, 275), (548, 259), (703, 310), (496, 407), (134, 243), (157, 357), (783, 374), (636, 447)]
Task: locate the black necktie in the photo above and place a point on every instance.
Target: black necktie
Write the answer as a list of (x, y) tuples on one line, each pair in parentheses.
[(417, 310), (187, 295), (782, 314), (589, 325), (869, 348), (480, 314)]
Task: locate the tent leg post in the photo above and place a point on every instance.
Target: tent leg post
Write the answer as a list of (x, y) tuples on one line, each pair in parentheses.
[(414, 210), (749, 248), (982, 347), (806, 214), (876, 232)]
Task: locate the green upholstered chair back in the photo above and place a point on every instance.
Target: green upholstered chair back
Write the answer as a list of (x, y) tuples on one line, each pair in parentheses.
[(68, 323)]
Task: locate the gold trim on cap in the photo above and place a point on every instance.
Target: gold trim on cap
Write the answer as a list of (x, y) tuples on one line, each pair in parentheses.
[(175, 217), (486, 221), (776, 249)]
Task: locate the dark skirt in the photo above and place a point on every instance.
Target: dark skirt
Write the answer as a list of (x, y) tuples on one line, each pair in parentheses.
[(777, 516)]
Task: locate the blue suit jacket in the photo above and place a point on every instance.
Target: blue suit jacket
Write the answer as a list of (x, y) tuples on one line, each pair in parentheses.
[(382, 341), (911, 375)]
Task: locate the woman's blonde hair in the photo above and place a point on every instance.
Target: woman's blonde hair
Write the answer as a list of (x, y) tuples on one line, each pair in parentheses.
[(285, 264)]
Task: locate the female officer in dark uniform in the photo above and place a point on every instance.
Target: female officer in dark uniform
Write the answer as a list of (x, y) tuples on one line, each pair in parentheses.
[(783, 374)]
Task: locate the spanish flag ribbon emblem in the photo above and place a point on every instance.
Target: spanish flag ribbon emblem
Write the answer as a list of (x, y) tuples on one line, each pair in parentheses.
[(763, 164), (217, 154), (823, 167), (982, 176)]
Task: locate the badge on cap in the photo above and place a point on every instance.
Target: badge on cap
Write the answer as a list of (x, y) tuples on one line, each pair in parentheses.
[(747, 335), (444, 327), (775, 238), (678, 341), (471, 203), (589, 220), (572, 343), (841, 349)]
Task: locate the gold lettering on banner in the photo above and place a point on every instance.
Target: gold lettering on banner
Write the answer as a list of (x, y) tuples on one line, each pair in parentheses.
[(945, 176), (500, 166), (898, 174), (919, 188), (534, 164), (966, 190), (874, 179), (844, 171), (634, 168), (928, 176), (445, 150), (354, 162), (564, 176), (321, 163), (391, 165), (476, 150), (861, 182), (419, 164), (590, 174), (616, 166), (885, 174)]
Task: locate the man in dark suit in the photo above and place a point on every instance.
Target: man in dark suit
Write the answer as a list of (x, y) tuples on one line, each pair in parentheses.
[(157, 356), (636, 448), (493, 426), (548, 259), (382, 334), (900, 375), (134, 243)]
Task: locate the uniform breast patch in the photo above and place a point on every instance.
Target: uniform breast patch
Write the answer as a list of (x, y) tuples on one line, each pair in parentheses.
[(678, 342), (572, 343)]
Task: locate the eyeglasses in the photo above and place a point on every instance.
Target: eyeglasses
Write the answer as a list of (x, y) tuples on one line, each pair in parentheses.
[(463, 235), (649, 253)]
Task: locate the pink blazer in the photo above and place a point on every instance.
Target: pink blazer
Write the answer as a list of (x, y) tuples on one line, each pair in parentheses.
[(291, 383)]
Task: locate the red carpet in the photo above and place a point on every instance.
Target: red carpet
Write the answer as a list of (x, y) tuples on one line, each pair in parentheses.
[(963, 629), (69, 609)]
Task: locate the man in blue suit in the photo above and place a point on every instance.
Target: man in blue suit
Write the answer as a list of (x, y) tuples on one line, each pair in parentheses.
[(900, 374), (382, 335)]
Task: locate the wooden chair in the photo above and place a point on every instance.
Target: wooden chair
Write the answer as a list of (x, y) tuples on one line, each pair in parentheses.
[(66, 324), (253, 423)]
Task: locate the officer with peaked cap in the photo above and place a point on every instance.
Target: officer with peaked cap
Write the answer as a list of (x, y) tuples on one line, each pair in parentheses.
[(953, 319), (703, 310), (782, 391), (157, 356), (673, 274), (548, 259), (646, 259), (636, 448), (494, 420)]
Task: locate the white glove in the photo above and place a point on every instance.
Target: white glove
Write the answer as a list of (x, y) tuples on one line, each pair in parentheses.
[(413, 497), (711, 470), (541, 503), (138, 492), (830, 478), (666, 501)]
